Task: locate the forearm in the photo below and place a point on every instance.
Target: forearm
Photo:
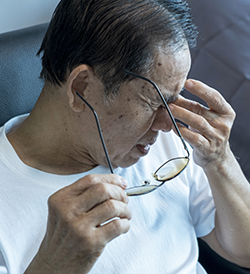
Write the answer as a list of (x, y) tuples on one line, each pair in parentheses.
[(208, 133), (231, 192)]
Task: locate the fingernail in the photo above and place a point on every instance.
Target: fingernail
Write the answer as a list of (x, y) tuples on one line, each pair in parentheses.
[(124, 183), (189, 84)]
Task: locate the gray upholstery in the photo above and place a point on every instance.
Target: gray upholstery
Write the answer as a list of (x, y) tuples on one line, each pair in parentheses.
[(222, 60), (19, 71)]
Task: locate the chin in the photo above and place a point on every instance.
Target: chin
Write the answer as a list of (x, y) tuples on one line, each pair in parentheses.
[(127, 163)]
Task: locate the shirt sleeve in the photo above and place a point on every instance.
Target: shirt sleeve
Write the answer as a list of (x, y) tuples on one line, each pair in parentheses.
[(3, 268), (201, 203)]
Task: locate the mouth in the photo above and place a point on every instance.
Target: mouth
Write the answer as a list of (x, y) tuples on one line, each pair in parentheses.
[(144, 149), (144, 145)]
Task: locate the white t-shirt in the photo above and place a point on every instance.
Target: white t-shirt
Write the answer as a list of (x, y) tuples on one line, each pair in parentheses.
[(164, 225)]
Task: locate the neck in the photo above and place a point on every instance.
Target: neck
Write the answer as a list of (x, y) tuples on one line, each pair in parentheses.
[(43, 141)]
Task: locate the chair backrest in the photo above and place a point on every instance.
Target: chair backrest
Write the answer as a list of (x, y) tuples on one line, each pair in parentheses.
[(222, 60), (20, 68)]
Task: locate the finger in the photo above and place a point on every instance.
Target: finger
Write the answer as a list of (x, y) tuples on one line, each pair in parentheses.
[(212, 97), (195, 107), (196, 121), (194, 138), (108, 210), (216, 120), (98, 194), (81, 185), (190, 105), (114, 229)]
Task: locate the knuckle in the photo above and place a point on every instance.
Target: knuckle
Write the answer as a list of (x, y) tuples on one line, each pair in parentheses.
[(64, 211), (225, 129), (120, 226), (202, 123), (198, 141), (53, 202), (117, 225), (100, 189), (111, 206), (219, 143), (226, 132), (92, 178), (233, 114), (197, 108), (85, 238), (91, 240)]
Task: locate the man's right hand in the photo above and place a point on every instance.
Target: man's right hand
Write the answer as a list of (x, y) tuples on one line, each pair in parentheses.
[(77, 229)]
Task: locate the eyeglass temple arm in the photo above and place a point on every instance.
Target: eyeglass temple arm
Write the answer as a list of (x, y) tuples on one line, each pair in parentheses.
[(99, 130), (165, 104)]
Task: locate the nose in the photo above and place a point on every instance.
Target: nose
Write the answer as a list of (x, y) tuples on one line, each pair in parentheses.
[(162, 120)]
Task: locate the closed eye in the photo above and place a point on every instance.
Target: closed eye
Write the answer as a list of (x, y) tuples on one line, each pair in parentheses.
[(171, 99)]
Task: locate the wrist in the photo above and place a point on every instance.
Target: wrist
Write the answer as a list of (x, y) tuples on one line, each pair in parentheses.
[(221, 165), (38, 266)]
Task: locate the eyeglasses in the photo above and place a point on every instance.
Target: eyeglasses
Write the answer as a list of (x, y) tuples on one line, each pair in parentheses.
[(167, 171)]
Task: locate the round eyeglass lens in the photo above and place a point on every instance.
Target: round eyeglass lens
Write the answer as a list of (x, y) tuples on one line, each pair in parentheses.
[(170, 169), (166, 172)]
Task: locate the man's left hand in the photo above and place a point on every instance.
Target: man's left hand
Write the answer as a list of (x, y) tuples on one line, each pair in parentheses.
[(208, 127)]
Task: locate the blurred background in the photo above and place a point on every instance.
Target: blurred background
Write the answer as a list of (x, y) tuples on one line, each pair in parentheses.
[(17, 14)]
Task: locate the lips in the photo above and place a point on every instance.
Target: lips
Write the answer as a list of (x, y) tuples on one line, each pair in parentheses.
[(143, 146), (144, 149)]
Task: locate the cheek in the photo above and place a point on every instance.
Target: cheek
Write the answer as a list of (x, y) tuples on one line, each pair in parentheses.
[(138, 120), (134, 126), (126, 125)]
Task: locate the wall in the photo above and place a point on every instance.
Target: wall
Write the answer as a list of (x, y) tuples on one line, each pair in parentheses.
[(17, 14)]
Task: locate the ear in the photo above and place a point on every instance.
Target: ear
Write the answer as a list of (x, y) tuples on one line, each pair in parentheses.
[(78, 80)]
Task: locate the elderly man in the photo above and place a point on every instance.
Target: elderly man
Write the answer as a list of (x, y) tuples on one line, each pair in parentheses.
[(103, 62)]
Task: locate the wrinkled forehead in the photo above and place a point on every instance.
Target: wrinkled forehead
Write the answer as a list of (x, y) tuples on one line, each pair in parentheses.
[(170, 70)]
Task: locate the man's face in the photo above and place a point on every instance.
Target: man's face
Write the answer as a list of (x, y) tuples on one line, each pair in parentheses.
[(131, 122)]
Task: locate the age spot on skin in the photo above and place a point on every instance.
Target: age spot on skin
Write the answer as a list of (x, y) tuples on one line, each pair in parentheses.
[(109, 112)]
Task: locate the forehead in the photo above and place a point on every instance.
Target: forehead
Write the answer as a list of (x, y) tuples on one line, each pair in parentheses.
[(170, 70), (169, 73)]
